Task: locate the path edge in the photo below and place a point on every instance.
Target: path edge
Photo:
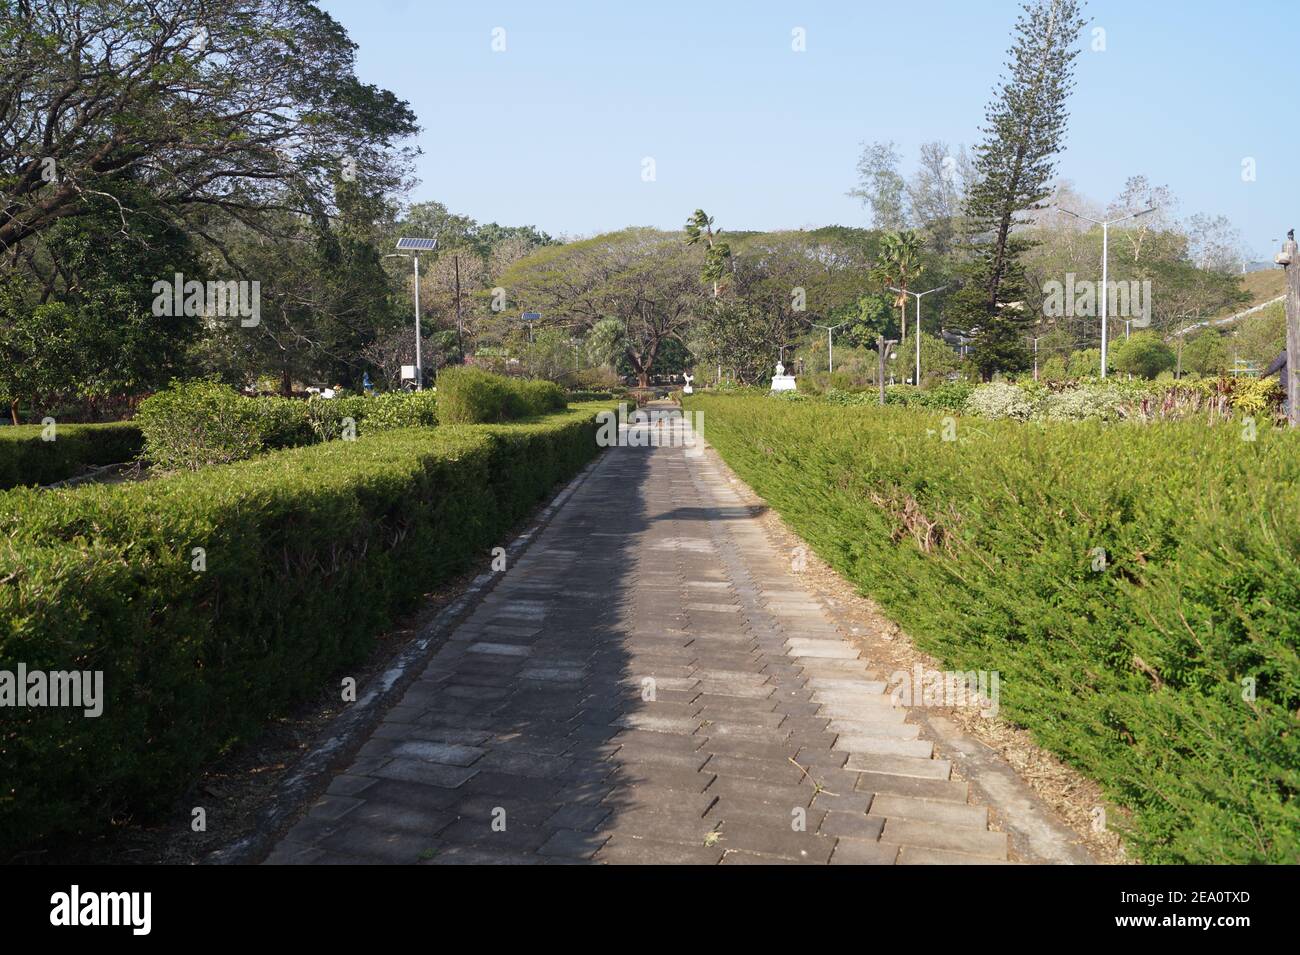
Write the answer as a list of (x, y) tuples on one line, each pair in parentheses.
[(348, 730), (1037, 835)]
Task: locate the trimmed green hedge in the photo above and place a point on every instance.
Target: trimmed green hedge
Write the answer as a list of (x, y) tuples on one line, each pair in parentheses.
[(25, 458), (469, 395), (309, 553), (193, 424), (983, 548)]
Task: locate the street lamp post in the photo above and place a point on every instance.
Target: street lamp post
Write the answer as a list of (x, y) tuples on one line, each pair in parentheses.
[(1105, 248), (916, 375), (830, 344), (883, 348), (416, 246)]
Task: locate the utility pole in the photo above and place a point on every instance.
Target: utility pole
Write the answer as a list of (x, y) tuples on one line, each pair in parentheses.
[(830, 344), (916, 374), (419, 360), (411, 247), (460, 338), (1104, 293), (1290, 260), (883, 348)]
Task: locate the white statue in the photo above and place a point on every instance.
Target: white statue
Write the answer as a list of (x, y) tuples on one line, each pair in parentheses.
[(687, 389), (781, 381)]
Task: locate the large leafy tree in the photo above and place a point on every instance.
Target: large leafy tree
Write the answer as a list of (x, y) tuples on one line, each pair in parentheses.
[(237, 126), (326, 299), (248, 106), (646, 279), (458, 278), (77, 326), (1025, 126), (737, 336)]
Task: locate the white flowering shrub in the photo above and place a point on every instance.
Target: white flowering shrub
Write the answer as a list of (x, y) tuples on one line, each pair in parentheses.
[(999, 400), (1089, 403)]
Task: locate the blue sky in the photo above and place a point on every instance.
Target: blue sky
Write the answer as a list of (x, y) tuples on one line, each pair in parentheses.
[(554, 130)]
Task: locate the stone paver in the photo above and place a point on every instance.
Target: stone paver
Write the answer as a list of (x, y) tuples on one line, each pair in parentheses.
[(649, 684)]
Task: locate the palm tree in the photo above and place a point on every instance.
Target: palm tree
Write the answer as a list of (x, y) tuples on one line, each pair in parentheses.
[(898, 266), (700, 227)]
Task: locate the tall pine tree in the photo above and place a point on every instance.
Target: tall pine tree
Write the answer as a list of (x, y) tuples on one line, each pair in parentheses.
[(1014, 164)]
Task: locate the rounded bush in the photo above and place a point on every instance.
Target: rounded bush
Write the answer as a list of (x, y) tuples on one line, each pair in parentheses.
[(999, 400)]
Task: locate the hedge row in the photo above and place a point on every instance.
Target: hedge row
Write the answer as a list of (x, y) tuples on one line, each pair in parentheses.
[(1170, 673), (468, 395), (27, 458), (194, 424), (308, 554)]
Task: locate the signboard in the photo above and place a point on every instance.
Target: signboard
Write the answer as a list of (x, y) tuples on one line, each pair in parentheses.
[(408, 372), (531, 316)]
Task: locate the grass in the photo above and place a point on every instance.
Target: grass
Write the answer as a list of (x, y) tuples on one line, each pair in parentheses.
[(1168, 671)]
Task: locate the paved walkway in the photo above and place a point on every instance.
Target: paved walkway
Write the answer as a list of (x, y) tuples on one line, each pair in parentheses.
[(649, 684)]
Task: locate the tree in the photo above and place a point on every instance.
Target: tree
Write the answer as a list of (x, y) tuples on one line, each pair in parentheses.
[(1086, 363), (798, 277), (871, 316), (1025, 126), (77, 325), (736, 335), (1143, 355), (1259, 338), (326, 296), (553, 354), (699, 227), (1138, 194), (937, 193), (898, 266), (1204, 353), (880, 187), (247, 106), (938, 360), (1214, 243), (606, 342), (646, 279)]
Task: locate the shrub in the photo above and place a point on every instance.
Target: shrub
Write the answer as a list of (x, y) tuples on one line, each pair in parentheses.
[(196, 424), (1253, 396), (468, 395), (1168, 671), (946, 396), (1095, 403), (593, 395), (1053, 369), (1086, 362), (997, 399), (309, 553), (1143, 355), (539, 396), (837, 397), (328, 417), (193, 424), (26, 458)]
